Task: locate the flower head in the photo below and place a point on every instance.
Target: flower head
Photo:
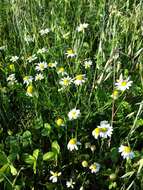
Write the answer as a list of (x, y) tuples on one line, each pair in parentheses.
[(39, 76), (29, 91), (94, 167), (54, 176), (32, 58), (65, 81), (54, 64), (123, 84), (44, 31), (84, 163), (72, 144), (11, 79), (41, 66), (27, 80), (14, 58), (74, 114), (82, 27), (87, 64), (70, 53), (60, 122), (115, 94), (61, 71), (70, 184), (126, 152), (42, 50), (79, 79)]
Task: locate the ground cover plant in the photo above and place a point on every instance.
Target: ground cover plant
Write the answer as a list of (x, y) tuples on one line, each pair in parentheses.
[(71, 94)]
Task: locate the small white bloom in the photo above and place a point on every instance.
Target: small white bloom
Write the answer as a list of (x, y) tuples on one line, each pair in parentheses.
[(54, 177), (32, 58), (70, 53), (42, 50), (52, 65), (27, 80), (87, 64), (39, 76), (82, 27), (74, 114), (41, 66), (28, 39), (14, 58), (72, 144), (79, 79), (61, 71), (123, 84), (115, 94), (11, 79), (66, 81), (94, 167), (70, 184), (44, 31), (126, 152), (2, 47)]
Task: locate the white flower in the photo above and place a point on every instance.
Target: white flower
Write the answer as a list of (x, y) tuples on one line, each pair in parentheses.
[(104, 130), (72, 144), (81, 27), (61, 71), (41, 66), (126, 152), (42, 50), (54, 177), (30, 90), (11, 79), (44, 31), (14, 58), (52, 64), (70, 53), (39, 76), (74, 114), (28, 38), (115, 94), (94, 167), (123, 84), (79, 79), (87, 64), (2, 47), (32, 58), (70, 184), (27, 80), (66, 81)]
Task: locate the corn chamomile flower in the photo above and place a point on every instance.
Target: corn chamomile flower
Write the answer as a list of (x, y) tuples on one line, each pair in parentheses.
[(44, 31), (39, 76), (70, 53), (82, 27), (54, 176), (42, 50), (94, 167), (65, 81), (52, 64), (104, 130), (14, 58), (61, 71), (60, 122), (123, 84), (28, 39), (126, 152), (72, 144), (84, 164), (74, 114), (115, 94), (32, 58), (41, 66), (79, 79), (70, 184), (27, 80), (30, 90), (87, 64), (11, 79)]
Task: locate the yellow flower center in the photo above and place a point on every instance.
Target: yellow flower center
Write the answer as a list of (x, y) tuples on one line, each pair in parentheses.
[(97, 131), (41, 66), (127, 149), (26, 78), (115, 93), (84, 163), (61, 69), (66, 82), (124, 83), (70, 52), (93, 167), (73, 141), (104, 129), (79, 77), (11, 66), (30, 89), (55, 174), (59, 122)]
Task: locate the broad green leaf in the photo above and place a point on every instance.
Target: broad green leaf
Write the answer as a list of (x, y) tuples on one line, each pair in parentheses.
[(55, 147), (48, 156), (29, 159)]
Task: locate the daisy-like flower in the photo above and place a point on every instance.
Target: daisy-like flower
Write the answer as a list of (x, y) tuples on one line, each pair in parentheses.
[(52, 65), (79, 79), (28, 39), (126, 152), (39, 76), (32, 58), (94, 167), (61, 71), (2, 48), (84, 163), (11, 79), (123, 84), (41, 66), (87, 64), (82, 27), (44, 31), (29, 91), (27, 80), (70, 53), (14, 58), (115, 94), (54, 176), (66, 81), (104, 130), (42, 50), (74, 114), (60, 122), (72, 144), (70, 184)]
